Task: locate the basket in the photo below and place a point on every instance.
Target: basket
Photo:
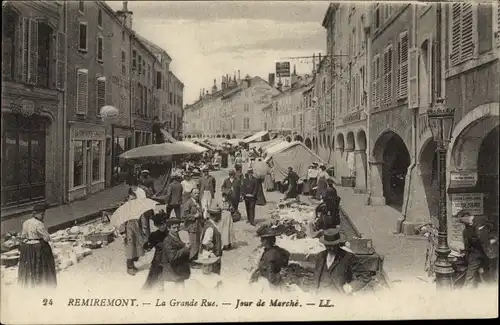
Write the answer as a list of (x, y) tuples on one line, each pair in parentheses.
[(103, 237), (9, 261)]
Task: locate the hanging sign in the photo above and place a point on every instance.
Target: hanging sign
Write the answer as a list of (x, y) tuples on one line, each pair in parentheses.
[(283, 69), (463, 179), (472, 202)]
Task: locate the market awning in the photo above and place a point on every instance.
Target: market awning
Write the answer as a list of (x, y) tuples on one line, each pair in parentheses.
[(265, 144), (167, 136), (259, 136), (161, 152)]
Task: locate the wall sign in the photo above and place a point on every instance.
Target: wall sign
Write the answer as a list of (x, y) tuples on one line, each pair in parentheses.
[(463, 179), (473, 202), (89, 134)]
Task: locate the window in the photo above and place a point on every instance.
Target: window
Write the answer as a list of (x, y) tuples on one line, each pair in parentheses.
[(44, 55), (82, 44), (246, 107), (403, 65), (246, 123), (100, 94), (96, 161), (82, 85), (123, 36), (9, 41), (170, 98), (376, 81), (23, 155), (78, 168), (158, 80), (143, 67), (149, 73), (99, 18), (124, 63), (354, 42), (376, 16), (134, 59), (139, 64), (99, 49), (463, 32), (81, 6), (388, 74), (362, 86)]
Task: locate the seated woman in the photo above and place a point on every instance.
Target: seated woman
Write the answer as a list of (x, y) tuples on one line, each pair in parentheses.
[(273, 259), (327, 212)]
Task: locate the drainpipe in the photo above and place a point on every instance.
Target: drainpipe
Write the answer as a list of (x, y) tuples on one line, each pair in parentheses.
[(65, 140), (413, 137)]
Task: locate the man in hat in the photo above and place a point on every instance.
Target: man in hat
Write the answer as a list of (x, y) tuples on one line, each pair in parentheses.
[(273, 259), (147, 182), (231, 190), (193, 221), (173, 198), (249, 189), (207, 191), (211, 237), (335, 269), (36, 261), (175, 255), (480, 247)]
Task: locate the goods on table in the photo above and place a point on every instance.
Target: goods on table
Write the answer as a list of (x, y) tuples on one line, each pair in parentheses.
[(296, 275), (10, 242), (306, 246), (292, 217)]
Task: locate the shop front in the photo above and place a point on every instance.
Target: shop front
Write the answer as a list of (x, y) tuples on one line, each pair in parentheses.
[(122, 142), (143, 133), (86, 160)]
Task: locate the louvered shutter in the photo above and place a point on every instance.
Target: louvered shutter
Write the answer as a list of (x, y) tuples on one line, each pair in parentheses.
[(358, 89), (498, 25), (20, 40), (431, 62), (413, 99), (456, 34), (132, 98), (387, 75), (25, 49), (374, 85), (82, 85), (100, 94), (61, 61), (403, 65), (467, 43), (33, 52)]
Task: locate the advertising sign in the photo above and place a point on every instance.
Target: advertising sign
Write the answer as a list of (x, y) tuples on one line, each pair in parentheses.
[(463, 179), (473, 202), (283, 69)]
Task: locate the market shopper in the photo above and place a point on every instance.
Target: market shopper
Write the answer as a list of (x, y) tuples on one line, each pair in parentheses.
[(249, 191), (155, 240), (231, 191), (322, 184), (147, 183), (207, 191), (211, 237), (188, 184), (480, 247), (36, 262), (292, 179), (312, 178), (273, 259), (336, 269), (192, 215), (175, 257), (327, 212), (173, 197)]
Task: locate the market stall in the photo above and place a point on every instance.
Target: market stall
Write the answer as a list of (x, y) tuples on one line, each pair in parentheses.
[(259, 136)]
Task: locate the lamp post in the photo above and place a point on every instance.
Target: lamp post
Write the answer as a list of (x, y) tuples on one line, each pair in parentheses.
[(440, 118)]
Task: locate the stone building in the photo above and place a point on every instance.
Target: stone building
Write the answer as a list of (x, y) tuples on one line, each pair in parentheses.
[(33, 104), (176, 99)]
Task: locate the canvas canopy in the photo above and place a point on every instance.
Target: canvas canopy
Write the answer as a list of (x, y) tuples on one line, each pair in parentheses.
[(290, 154), (265, 144), (259, 136)]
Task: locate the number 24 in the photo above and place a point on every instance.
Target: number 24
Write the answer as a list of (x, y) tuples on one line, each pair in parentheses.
[(46, 302)]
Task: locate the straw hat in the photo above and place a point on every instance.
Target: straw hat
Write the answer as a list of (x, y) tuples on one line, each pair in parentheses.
[(207, 258), (332, 237), (267, 231)]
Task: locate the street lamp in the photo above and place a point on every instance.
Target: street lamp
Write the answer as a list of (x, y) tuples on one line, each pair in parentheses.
[(440, 118)]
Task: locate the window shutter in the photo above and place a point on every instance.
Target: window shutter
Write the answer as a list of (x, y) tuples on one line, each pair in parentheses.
[(358, 89), (498, 25), (413, 99), (456, 14), (374, 78), (100, 94), (431, 62), (21, 36), (132, 99), (33, 52), (61, 61), (467, 40), (82, 87), (403, 65), (387, 74)]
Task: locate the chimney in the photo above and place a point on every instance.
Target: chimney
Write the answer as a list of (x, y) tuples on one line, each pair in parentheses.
[(239, 76), (294, 78), (125, 15), (223, 83), (314, 63), (270, 79), (214, 87), (203, 93)]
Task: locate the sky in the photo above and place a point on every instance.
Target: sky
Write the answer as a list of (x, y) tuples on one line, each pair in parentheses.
[(208, 39)]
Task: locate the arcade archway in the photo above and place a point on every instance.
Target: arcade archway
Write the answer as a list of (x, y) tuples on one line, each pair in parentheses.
[(391, 150), (298, 138), (429, 176), (288, 139)]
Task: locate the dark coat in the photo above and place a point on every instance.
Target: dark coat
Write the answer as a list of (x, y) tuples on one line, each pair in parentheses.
[(342, 271), (271, 262), (175, 259), (155, 241), (174, 193), (477, 239), (250, 186), (325, 218), (231, 189), (193, 216), (207, 183), (148, 183)]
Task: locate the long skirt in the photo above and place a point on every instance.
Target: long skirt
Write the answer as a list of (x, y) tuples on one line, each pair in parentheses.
[(226, 229), (194, 240), (135, 238), (154, 279), (269, 183), (322, 186), (261, 198), (37, 267)]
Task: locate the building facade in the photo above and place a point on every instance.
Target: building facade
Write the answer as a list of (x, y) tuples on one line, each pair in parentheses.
[(176, 100), (33, 90)]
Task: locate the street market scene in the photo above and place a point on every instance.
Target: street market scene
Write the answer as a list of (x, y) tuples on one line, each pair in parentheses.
[(359, 171)]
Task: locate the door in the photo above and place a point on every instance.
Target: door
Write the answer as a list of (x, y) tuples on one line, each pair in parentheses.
[(88, 165)]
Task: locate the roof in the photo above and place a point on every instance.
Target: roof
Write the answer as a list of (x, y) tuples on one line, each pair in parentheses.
[(255, 136), (328, 15), (238, 88), (154, 46)]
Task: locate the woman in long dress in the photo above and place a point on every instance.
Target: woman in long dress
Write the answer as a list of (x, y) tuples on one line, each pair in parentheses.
[(225, 226), (155, 240), (322, 184), (269, 181), (37, 266), (188, 184)]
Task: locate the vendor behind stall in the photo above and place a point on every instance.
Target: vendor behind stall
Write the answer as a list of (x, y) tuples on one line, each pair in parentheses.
[(272, 260), (327, 212), (147, 183)]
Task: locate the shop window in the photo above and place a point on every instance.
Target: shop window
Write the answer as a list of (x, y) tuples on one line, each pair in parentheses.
[(23, 155), (96, 161), (9, 58), (78, 168)]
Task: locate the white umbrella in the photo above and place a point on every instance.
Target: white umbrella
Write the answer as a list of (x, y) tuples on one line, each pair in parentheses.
[(132, 209)]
